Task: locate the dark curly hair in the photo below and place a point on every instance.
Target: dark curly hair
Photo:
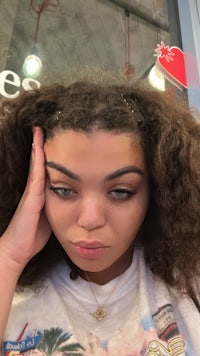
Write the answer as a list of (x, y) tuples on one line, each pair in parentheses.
[(170, 135)]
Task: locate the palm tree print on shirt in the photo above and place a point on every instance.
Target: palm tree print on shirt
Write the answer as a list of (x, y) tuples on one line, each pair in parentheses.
[(56, 340)]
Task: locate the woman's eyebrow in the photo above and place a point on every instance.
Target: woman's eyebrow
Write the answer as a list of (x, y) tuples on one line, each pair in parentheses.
[(113, 175), (120, 172), (62, 169)]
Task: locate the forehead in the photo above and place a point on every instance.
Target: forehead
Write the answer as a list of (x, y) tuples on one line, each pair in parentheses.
[(105, 149)]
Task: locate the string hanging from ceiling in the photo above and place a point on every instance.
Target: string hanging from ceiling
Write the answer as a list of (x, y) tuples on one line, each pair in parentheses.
[(42, 7), (129, 68)]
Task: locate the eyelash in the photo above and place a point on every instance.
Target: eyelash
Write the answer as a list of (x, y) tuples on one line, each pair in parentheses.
[(62, 192), (119, 195)]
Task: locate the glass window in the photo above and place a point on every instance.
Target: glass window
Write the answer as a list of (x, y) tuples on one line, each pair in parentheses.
[(87, 36)]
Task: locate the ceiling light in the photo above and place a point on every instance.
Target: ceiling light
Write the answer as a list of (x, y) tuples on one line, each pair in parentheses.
[(32, 66), (156, 79)]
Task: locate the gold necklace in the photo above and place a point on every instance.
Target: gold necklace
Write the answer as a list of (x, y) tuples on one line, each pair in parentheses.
[(100, 313)]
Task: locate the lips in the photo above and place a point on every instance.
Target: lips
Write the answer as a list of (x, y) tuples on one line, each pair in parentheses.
[(89, 250), (90, 245)]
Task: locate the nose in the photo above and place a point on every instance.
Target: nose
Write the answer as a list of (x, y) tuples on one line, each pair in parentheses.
[(92, 214)]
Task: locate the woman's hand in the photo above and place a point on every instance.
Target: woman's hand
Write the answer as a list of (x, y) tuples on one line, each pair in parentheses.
[(29, 231)]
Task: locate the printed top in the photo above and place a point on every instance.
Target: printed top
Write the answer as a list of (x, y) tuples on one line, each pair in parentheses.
[(143, 317)]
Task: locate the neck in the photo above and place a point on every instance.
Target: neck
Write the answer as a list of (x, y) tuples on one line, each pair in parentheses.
[(113, 271)]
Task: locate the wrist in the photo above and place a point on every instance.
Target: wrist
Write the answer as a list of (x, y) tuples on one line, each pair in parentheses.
[(8, 263)]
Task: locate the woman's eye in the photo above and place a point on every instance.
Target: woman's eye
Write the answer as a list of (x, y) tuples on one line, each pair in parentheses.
[(62, 192), (121, 194)]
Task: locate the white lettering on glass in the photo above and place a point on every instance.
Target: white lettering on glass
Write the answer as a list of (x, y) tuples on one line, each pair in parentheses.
[(10, 83)]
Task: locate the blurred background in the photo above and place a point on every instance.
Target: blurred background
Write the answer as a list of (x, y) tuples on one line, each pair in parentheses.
[(112, 36)]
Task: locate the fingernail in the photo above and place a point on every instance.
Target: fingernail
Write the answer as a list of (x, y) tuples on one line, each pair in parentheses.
[(33, 147)]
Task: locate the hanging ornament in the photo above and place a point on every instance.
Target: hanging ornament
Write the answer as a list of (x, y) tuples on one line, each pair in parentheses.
[(32, 65), (171, 63)]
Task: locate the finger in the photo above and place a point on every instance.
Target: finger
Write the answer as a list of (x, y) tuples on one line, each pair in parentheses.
[(38, 139), (36, 177), (38, 154), (37, 142)]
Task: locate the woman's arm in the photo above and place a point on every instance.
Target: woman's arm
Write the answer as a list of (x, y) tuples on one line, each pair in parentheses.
[(9, 274), (27, 233)]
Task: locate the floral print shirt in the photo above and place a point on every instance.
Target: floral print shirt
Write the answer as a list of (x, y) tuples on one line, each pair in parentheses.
[(143, 317)]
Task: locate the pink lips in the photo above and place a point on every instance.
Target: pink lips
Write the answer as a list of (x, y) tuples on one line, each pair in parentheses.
[(89, 249), (93, 244)]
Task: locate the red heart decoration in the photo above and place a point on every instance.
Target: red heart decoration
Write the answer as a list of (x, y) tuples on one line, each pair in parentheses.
[(171, 62)]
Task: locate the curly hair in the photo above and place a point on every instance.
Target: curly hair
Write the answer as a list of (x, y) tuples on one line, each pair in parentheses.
[(170, 136)]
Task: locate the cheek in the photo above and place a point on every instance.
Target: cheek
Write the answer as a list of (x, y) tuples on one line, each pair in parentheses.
[(56, 219), (53, 209), (60, 215), (133, 216)]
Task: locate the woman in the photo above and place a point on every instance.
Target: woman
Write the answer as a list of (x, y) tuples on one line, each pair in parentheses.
[(102, 242)]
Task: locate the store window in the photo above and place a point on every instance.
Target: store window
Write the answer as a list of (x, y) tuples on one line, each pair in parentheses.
[(189, 14), (71, 38)]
